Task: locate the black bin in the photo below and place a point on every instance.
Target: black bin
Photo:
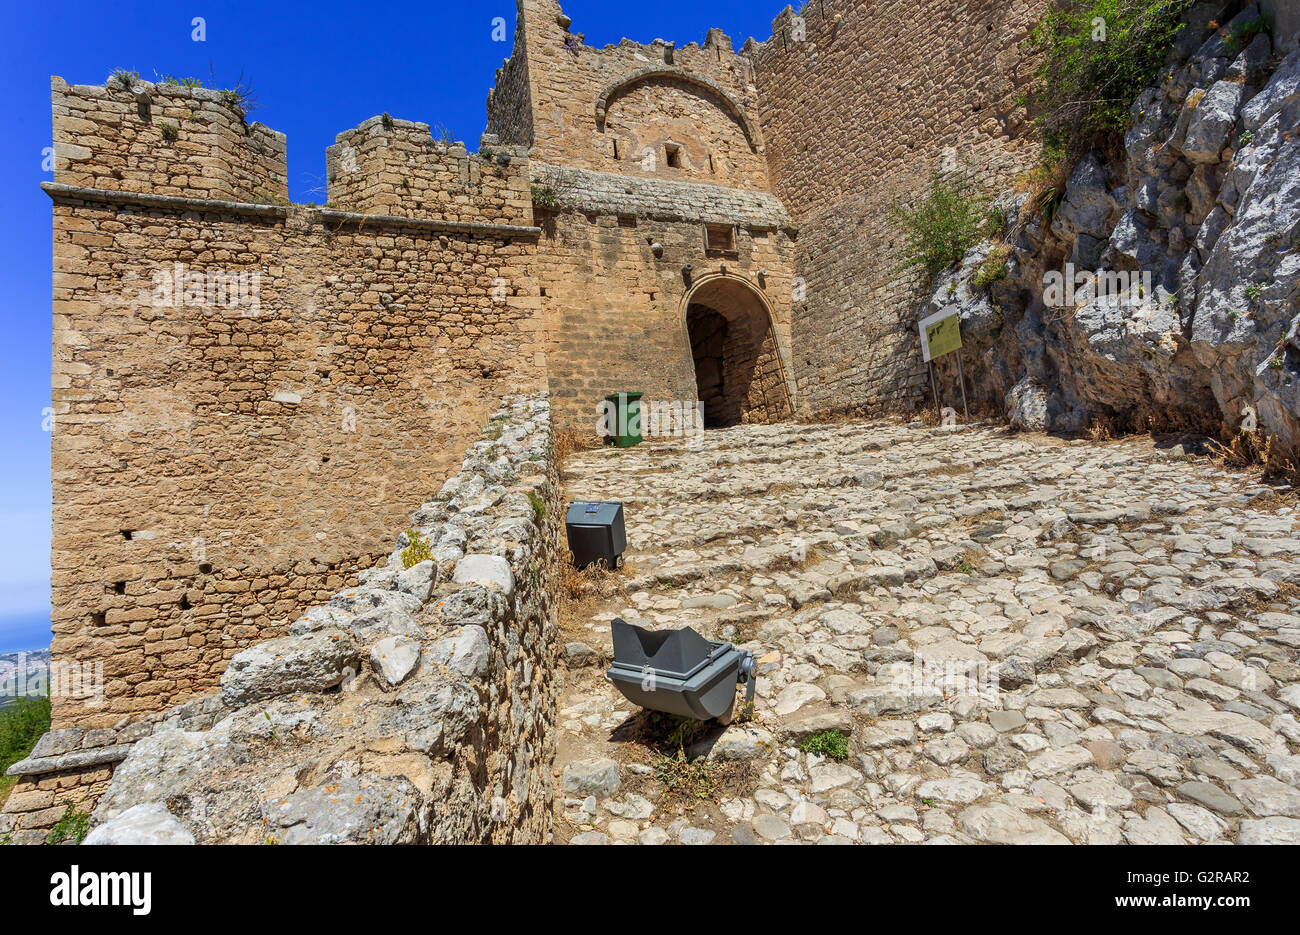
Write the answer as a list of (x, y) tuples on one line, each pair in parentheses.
[(596, 532)]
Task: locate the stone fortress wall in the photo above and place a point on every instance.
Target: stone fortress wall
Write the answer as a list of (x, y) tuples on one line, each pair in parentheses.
[(604, 108), (396, 168), (709, 224), (219, 465), (414, 706), (861, 102), (641, 146)]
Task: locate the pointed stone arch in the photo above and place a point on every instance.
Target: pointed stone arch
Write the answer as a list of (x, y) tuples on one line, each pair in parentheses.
[(658, 73), (740, 364)]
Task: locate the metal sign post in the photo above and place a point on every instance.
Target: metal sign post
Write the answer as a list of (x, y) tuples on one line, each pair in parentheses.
[(941, 334), (961, 381)]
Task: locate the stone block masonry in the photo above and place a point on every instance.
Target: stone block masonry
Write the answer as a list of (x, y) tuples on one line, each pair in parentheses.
[(164, 139), (245, 392), (395, 167), (861, 103), (417, 706), (688, 113)]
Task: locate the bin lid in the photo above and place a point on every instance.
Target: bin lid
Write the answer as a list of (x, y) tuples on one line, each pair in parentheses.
[(677, 654), (592, 512)]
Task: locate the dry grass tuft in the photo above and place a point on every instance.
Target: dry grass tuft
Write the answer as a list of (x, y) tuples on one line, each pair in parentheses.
[(1101, 429), (583, 591), (570, 441), (1256, 453)]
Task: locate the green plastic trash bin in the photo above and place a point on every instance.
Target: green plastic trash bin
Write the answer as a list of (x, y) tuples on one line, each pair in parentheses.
[(624, 415)]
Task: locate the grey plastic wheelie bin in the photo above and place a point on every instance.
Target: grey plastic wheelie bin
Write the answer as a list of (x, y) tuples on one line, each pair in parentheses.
[(678, 671)]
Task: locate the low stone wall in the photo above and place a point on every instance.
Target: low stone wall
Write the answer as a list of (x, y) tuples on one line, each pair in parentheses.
[(416, 707)]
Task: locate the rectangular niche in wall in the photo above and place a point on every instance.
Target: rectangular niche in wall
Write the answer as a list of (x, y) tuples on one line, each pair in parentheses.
[(719, 238)]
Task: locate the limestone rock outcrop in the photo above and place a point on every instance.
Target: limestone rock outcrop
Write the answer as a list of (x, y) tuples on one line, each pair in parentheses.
[(1163, 292)]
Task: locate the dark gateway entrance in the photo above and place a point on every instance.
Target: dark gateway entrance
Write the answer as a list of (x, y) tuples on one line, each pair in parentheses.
[(737, 368)]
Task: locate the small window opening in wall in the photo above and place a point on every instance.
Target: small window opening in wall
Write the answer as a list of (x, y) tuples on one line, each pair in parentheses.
[(545, 294), (719, 238), (185, 603), (119, 587), (713, 170), (616, 150), (98, 619), (205, 568), (673, 152), (127, 533)]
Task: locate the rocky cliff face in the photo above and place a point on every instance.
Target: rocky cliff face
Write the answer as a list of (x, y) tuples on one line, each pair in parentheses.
[(1161, 293)]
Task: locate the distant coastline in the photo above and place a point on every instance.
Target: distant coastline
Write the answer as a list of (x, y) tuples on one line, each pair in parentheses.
[(25, 633)]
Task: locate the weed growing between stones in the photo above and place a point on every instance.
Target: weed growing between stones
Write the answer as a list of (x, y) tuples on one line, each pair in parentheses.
[(684, 778), (544, 197), (581, 592), (687, 779), (567, 442), (123, 79), (417, 551), (539, 506), (829, 743), (73, 826)]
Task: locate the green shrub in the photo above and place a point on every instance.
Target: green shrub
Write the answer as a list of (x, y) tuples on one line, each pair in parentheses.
[(941, 228), (829, 743), (1241, 33), (123, 79), (417, 551), (1084, 87), (544, 197), (74, 825), (991, 270)]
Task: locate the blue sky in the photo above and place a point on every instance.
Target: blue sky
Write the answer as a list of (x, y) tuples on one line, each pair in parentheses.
[(317, 68)]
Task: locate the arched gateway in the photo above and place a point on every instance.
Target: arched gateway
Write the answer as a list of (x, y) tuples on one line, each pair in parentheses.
[(739, 371)]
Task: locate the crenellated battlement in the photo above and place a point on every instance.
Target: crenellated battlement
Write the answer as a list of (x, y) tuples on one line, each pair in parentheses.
[(164, 139), (392, 167), (169, 139)]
